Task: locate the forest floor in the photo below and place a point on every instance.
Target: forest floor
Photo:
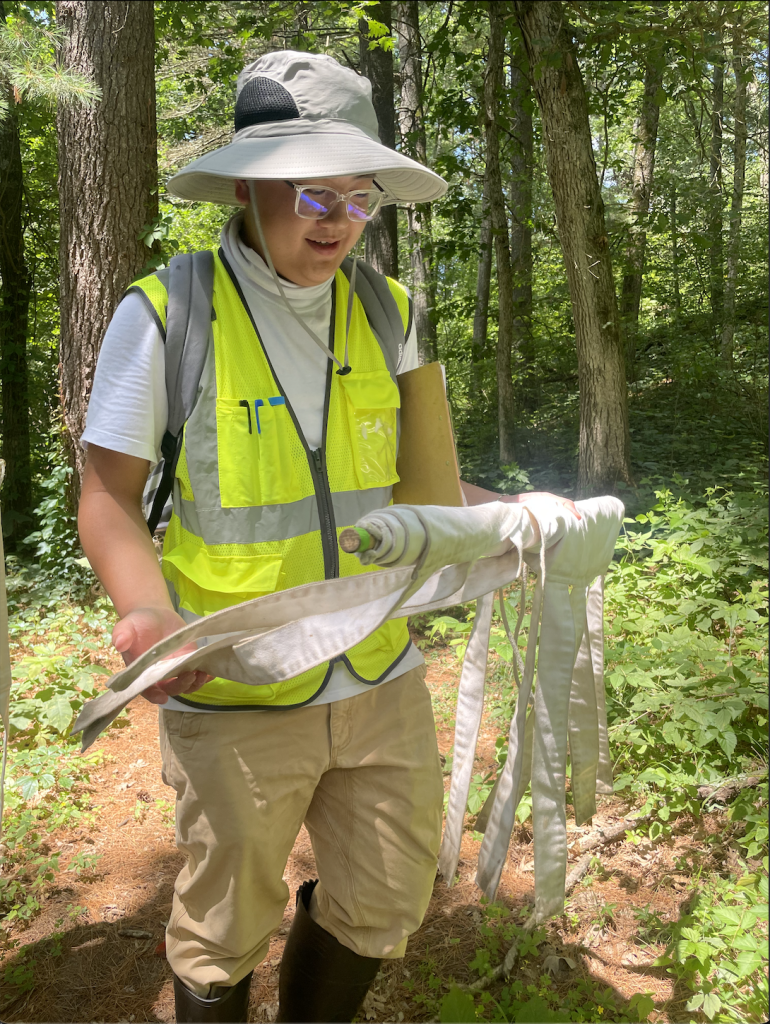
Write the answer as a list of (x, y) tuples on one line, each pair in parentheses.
[(97, 952)]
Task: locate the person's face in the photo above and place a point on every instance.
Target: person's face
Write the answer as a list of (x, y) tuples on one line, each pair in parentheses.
[(306, 252)]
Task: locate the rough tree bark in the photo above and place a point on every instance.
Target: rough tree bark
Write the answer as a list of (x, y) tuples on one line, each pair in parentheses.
[(742, 74), (561, 97), (14, 307), (108, 177), (646, 132), (493, 84), (522, 163), (716, 246), (413, 141), (381, 236), (483, 277)]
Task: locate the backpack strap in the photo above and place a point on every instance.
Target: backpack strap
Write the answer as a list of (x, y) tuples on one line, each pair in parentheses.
[(381, 309), (188, 320)]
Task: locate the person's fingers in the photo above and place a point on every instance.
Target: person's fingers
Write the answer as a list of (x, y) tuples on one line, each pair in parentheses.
[(123, 636), (567, 503), (155, 695)]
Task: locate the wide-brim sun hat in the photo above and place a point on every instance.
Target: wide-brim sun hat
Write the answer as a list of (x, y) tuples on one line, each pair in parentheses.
[(304, 115)]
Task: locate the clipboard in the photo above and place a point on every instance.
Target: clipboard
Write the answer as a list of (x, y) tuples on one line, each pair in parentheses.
[(427, 458)]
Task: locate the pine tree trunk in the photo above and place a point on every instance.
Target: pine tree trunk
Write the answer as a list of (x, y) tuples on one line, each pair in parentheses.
[(736, 206), (646, 132), (381, 236), (716, 248), (522, 163), (413, 141), (108, 179), (483, 277), (493, 84), (561, 97), (14, 307)]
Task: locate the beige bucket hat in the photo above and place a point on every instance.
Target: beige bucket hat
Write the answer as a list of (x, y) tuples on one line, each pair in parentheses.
[(304, 115)]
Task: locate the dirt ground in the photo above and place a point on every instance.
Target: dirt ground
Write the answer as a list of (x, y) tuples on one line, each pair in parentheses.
[(97, 947)]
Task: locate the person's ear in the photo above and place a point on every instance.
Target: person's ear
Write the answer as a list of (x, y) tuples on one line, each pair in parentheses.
[(241, 192)]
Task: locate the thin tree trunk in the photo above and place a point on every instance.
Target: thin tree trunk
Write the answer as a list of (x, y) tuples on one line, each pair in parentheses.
[(646, 132), (736, 205), (381, 234), (108, 179), (413, 141), (14, 308), (716, 253), (673, 222), (493, 84), (561, 96), (483, 276), (522, 163)]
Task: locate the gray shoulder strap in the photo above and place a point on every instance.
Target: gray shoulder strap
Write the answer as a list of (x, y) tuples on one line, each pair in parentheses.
[(381, 310), (188, 322)]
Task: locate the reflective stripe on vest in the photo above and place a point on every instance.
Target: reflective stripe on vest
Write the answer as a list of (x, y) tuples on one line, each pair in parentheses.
[(255, 511)]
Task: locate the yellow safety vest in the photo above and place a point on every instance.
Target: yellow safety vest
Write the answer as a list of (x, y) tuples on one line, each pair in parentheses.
[(255, 510)]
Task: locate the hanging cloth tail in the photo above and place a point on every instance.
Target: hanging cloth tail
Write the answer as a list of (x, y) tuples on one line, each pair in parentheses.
[(470, 707)]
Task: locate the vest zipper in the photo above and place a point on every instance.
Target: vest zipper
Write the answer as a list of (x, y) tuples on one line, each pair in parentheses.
[(325, 514), (315, 456)]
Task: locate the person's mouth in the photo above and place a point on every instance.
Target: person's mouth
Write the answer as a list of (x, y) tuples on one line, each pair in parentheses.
[(327, 247)]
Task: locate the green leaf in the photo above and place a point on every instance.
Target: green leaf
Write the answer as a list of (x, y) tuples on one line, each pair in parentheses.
[(58, 713), (537, 1011), (712, 1004), (457, 1007)]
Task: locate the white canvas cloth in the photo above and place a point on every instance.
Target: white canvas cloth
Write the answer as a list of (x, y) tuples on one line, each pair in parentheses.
[(435, 557)]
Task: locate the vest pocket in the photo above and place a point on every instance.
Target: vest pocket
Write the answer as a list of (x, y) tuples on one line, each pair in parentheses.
[(254, 454), (371, 401), (206, 582)]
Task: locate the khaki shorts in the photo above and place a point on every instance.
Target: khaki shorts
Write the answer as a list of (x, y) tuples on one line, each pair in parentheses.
[(364, 776)]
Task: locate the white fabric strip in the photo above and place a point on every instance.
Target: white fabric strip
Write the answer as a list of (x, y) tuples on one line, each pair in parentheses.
[(470, 708)]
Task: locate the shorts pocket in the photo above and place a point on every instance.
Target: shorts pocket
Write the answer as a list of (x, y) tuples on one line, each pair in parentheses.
[(371, 401), (254, 453)]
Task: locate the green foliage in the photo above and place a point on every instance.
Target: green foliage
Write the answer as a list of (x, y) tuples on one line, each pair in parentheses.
[(687, 695), (718, 948), (47, 779)]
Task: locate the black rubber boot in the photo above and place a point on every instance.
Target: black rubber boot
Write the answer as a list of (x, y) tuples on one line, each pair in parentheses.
[(320, 980), (230, 1006)]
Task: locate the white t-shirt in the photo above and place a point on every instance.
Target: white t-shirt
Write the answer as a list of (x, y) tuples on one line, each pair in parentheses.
[(128, 408)]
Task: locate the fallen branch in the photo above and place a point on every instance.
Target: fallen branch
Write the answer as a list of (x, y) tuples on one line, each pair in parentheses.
[(723, 792), (592, 842)]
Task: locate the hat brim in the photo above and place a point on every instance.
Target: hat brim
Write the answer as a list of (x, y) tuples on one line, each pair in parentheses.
[(211, 178)]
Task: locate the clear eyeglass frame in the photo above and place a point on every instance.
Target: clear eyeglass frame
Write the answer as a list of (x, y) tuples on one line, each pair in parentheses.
[(316, 206)]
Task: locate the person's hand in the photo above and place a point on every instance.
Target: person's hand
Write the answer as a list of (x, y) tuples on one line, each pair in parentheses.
[(566, 502), (137, 631)]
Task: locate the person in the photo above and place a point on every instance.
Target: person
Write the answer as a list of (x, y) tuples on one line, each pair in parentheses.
[(293, 437)]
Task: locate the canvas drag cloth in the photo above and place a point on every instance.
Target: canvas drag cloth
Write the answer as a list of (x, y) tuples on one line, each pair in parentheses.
[(433, 557)]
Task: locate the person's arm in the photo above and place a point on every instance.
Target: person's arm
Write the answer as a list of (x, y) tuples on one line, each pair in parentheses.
[(118, 546)]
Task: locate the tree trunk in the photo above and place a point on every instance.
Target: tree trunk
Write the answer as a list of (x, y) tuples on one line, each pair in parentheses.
[(561, 96), (483, 277), (646, 132), (742, 73), (716, 254), (108, 179), (493, 84), (412, 123), (14, 307), (673, 222), (522, 163), (381, 234)]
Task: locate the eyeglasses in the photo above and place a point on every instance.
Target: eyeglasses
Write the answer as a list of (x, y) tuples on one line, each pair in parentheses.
[(313, 203)]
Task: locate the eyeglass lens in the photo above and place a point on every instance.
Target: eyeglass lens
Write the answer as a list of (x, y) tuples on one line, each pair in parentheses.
[(316, 203)]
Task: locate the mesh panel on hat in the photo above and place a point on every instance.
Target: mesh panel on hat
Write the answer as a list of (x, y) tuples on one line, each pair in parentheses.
[(263, 99)]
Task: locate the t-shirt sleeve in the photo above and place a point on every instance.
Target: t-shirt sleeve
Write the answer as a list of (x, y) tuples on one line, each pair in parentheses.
[(128, 408), (410, 357)]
